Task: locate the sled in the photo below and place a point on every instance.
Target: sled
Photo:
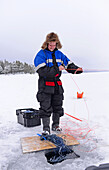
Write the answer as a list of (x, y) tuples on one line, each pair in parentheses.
[(33, 143)]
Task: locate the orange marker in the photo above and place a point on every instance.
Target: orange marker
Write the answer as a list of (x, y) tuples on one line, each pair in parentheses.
[(79, 95)]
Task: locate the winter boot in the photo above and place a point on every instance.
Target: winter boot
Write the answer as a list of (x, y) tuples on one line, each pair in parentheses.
[(56, 120), (46, 127)]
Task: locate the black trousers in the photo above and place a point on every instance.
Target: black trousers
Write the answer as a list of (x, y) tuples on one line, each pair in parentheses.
[(50, 103)]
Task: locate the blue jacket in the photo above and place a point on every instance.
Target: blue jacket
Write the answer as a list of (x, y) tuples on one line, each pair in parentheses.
[(44, 58)]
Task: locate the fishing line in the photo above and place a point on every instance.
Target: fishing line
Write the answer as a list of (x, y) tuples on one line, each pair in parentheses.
[(79, 131), (83, 97), (82, 132)]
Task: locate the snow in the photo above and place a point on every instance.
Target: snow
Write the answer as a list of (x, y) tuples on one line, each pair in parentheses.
[(19, 91)]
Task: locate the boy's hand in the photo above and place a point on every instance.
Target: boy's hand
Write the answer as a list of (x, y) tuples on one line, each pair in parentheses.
[(79, 70), (61, 68)]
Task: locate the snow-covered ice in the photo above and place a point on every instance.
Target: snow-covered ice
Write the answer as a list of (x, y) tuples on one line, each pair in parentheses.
[(19, 91)]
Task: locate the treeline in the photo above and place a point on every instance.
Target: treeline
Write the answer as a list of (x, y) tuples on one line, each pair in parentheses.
[(15, 67)]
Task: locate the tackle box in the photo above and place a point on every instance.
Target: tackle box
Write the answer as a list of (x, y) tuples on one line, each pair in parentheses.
[(28, 117)]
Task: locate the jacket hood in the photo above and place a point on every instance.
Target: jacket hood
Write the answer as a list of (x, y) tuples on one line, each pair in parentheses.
[(51, 37)]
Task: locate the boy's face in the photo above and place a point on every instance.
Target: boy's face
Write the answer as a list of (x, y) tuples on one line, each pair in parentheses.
[(52, 45)]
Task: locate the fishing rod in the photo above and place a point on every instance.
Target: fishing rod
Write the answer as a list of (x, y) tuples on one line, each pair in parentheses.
[(91, 70), (73, 117)]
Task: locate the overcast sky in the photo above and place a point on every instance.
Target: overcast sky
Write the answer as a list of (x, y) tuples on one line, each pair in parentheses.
[(82, 26)]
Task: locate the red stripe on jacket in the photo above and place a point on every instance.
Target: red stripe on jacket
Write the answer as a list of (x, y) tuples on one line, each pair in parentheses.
[(48, 83)]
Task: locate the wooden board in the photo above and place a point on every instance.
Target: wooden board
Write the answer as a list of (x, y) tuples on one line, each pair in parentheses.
[(32, 144)]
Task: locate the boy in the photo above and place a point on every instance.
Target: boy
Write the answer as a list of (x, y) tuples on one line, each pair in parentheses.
[(49, 63)]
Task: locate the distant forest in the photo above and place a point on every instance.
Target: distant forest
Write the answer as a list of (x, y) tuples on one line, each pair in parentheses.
[(15, 67)]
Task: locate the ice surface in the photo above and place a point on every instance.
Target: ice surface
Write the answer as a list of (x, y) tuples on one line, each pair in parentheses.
[(19, 91)]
